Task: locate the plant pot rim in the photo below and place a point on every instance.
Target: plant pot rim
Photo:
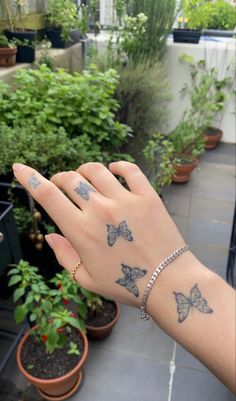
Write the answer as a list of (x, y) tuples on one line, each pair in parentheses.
[(112, 323), (34, 379), (187, 30), (193, 162), (8, 50)]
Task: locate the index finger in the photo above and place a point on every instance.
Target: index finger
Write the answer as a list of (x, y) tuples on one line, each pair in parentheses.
[(62, 211)]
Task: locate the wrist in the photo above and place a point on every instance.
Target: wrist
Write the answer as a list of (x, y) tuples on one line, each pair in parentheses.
[(180, 275)]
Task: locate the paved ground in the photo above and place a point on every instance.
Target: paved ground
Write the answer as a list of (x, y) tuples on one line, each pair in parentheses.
[(134, 363)]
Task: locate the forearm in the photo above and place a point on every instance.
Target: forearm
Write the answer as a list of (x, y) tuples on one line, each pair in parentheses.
[(209, 336)]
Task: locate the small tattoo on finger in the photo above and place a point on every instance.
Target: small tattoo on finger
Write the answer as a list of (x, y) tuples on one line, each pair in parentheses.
[(33, 181), (83, 189)]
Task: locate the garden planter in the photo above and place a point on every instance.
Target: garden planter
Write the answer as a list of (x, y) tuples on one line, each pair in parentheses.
[(183, 171), (59, 388), (186, 35), (25, 54), (101, 332), (212, 137), (7, 56), (54, 35)]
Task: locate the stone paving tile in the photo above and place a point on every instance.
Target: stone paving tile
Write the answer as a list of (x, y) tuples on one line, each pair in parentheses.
[(212, 210), (213, 257), (177, 205), (132, 336), (196, 385), (184, 359), (182, 224), (224, 153), (111, 376), (209, 233)]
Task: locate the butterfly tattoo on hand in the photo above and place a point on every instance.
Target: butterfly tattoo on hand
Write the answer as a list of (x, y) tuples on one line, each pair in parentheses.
[(184, 304), (83, 189), (121, 231), (131, 274)]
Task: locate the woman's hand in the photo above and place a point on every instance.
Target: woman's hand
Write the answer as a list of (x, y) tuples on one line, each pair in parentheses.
[(120, 235)]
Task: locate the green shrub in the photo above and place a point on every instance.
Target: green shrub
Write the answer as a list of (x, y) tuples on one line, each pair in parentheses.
[(55, 120), (207, 14)]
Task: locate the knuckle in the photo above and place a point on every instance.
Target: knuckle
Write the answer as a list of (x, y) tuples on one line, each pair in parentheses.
[(91, 166), (45, 191)]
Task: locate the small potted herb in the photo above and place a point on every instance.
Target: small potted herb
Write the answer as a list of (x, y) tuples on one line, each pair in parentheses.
[(14, 15), (52, 353), (188, 144), (68, 22), (99, 314), (8, 52), (184, 33)]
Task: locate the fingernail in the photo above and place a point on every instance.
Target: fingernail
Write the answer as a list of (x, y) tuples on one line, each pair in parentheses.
[(18, 166), (49, 240)]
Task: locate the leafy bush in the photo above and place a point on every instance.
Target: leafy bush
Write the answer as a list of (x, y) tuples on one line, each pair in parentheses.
[(159, 153), (205, 14), (186, 138), (55, 120)]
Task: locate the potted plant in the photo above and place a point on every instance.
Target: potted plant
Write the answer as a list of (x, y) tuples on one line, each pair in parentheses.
[(159, 155), (99, 314), (184, 33), (188, 144), (215, 18), (15, 31), (208, 95), (52, 353), (8, 52), (68, 22)]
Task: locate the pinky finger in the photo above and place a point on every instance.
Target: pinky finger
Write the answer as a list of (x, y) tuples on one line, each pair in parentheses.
[(67, 257)]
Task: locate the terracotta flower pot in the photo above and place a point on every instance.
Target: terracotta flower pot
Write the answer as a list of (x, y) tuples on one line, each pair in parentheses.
[(183, 171), (100, 333), (7, 56), (59, 388), (212, 137)]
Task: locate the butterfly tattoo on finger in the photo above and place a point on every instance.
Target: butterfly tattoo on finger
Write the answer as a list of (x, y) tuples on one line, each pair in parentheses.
[(84, 189), (185, 304), (131, 274), (121, 231)]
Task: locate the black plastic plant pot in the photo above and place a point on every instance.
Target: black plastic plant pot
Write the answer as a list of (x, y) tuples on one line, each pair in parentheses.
[(54, 35), (186, 35), (25, 54)]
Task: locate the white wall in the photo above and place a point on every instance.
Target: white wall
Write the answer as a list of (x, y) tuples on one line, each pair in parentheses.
[(218, 55)]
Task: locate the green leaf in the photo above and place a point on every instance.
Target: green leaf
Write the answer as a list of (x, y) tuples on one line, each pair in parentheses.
[(14, 280), (20, 313), (18, 294), (13, 271)]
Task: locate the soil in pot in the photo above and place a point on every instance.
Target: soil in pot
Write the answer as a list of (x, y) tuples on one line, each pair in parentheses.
[(212, 137), (44, 365), (100, 324), (59, 374), (183, 169)]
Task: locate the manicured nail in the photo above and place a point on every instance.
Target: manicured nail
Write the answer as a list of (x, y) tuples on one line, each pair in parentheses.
[(49, 240), (18, 166)]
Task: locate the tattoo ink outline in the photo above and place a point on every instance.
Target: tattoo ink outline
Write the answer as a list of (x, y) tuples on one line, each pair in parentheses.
[(131, 274), (83, 190)]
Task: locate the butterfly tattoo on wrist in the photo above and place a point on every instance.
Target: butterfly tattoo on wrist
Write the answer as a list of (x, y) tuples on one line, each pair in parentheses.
[(121, 231), (195, 301), (131, 274)]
